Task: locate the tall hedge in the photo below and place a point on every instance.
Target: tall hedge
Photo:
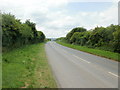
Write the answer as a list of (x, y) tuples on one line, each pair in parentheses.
[(15, 33), (107, 38)]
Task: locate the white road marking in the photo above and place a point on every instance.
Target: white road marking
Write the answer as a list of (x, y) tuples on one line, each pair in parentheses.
[(81, 59), (84, 61), (89, 62), (113, 74)]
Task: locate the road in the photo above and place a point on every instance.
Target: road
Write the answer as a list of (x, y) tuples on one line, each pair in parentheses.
[(77, 69)]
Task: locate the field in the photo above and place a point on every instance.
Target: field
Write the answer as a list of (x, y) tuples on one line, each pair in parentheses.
[(106, 54), (27, 67)]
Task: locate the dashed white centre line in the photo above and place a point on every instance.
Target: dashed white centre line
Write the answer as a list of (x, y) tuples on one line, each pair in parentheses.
[(81, 59), (113, 74), (87, 62)]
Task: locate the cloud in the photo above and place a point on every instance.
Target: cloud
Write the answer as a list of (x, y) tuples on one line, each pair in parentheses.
[(53, 18)]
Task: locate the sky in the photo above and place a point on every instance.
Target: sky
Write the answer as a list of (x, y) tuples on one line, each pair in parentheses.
[(55, 18)]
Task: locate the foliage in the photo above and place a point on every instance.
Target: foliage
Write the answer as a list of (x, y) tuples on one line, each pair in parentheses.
[(61, 39), (15, 33), (77, 29), (106, 38)]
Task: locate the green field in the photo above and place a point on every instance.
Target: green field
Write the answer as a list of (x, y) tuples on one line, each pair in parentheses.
[(27, 67), (106, 54)]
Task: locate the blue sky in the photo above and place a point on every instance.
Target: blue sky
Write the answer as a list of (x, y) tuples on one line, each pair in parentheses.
[(88, 6), (75, 7), (57, 17)]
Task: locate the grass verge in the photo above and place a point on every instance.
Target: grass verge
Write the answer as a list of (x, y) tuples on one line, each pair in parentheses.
[(27, 67), (106, 54)]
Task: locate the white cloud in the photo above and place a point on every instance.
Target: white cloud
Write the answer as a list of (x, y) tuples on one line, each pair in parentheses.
[(57, 23)]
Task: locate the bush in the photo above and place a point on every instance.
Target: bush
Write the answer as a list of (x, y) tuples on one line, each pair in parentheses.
[(100, 37), (15, 33)]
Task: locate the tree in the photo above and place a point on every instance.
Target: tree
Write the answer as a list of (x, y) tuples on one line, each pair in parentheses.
[(10, 27), (33, 28), (116, 41), (77, 29), (15, 33), (41, 36), (106, 38)]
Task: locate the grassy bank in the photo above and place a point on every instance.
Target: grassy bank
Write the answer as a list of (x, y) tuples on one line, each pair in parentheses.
[(27, 67), (106, 54)]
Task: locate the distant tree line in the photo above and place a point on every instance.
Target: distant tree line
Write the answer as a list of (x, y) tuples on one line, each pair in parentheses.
[(15, 33), (100, 37)]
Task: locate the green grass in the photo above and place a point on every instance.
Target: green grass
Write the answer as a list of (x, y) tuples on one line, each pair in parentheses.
[(106, 54), (27, 67)]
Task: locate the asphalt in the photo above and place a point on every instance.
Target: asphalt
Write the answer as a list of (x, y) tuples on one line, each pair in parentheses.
[(77, 69)]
